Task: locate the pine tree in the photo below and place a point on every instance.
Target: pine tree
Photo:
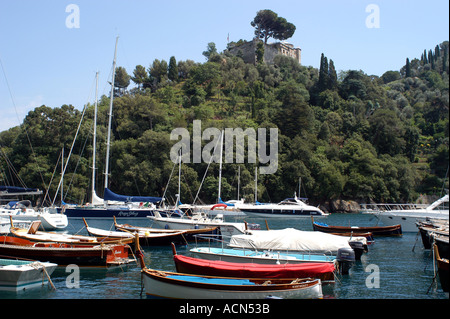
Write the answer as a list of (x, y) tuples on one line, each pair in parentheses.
[(408, 68)]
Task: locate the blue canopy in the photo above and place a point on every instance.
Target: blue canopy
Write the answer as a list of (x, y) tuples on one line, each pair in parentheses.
[(109, 195)]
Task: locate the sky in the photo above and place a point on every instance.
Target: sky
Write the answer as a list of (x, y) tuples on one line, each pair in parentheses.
[(50, 50)]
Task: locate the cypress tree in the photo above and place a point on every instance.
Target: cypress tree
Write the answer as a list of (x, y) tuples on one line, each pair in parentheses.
[(408, 68), (323, 73), (332, 80), (173, 69), (425, 61)]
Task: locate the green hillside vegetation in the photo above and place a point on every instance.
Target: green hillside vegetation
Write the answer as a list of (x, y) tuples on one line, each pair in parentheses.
[(347, 135)]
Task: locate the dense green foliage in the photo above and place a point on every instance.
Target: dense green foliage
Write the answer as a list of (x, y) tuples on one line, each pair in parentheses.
[(347, 135)]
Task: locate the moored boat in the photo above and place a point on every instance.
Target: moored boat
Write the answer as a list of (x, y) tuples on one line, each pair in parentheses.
[(66, 254), (288, 208), (442, 265), (34, 235), (18, 275), (190, 265), (201, 220), (393, 214), (394, 230), (294, 240)]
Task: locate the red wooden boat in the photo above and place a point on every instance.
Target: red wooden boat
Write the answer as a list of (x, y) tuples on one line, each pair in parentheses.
[(66, 254), (190, 265)]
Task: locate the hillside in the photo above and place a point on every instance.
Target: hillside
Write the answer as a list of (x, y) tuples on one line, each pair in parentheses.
[(347, 136)]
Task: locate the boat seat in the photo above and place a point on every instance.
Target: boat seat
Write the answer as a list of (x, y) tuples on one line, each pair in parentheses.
[(34, 227)]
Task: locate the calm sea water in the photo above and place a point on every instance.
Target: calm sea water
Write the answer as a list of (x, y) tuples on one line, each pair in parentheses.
[(405, 269)]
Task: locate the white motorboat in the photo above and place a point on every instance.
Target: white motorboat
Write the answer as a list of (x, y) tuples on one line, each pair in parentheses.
[(288, 208), (22, 211), (409, 217)]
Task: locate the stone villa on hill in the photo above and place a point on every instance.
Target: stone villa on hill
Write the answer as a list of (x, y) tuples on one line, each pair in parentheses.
[(247, 51)]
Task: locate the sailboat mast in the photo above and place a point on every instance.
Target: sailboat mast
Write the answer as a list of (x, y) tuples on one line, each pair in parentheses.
[(220, 167), (256, 184), (108, 143), (94, 138)]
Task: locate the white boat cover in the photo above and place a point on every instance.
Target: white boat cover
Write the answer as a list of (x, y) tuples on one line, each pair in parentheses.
[(292, 240)]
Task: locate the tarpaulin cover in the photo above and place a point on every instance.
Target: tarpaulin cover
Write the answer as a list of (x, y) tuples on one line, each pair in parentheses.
[(291, 239), (109, 195), (192, 265)]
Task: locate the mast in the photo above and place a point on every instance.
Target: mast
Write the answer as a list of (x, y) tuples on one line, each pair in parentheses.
[(179, 180), (256, 184), (94, 139), (239, 181), (220, 167), (108, 143)]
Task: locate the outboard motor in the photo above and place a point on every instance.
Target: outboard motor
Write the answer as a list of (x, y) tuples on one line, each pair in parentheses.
[(345, 258), (358, 247)]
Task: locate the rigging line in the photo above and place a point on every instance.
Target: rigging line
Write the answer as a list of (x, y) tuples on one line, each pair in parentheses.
[(206, 171), (23, 126)]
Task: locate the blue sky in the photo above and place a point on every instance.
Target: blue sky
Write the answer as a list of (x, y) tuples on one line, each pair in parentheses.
[(45, 62)]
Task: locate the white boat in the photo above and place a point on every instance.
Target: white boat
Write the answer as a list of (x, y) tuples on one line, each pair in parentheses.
[(288, 208), (22, 211), (163, 284), (16, 275), (201, 220), (409, 217), (293, 240)]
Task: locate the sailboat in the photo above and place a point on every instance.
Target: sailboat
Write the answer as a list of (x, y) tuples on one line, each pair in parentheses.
[(220, 207), (112, 205)]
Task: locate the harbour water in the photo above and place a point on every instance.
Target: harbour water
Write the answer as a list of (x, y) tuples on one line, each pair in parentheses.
[(393, 268)]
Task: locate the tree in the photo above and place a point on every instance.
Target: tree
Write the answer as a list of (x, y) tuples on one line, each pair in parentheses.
[(173, 69), (332, 81), (269, 25), (210, 51), (139, 75), (122, 80), (408, 69), (323, 73)]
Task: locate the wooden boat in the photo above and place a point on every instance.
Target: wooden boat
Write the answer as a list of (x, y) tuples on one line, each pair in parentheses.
[(65, 254), (18, 275), (190, 265), (442, 265), (32, 234), (147, 237), (395, 230), (188, 234), (428, 228), (164, 284)]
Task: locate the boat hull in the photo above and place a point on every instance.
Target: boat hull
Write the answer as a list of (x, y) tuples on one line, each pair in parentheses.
[(281, 213), (181, 286), (182, 224), (248, 256), (395, 230), (189, 265), (20, 275), (65, 254), (407, 222), (101, 213)]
